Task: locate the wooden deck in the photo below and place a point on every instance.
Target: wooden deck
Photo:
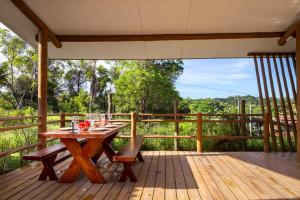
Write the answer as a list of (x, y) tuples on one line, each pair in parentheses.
[(171, 175)]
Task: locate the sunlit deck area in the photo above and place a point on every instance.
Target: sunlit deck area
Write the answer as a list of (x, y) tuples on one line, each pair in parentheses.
[(170, 175)]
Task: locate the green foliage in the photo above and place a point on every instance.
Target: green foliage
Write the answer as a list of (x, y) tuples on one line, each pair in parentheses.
[(146, 86)]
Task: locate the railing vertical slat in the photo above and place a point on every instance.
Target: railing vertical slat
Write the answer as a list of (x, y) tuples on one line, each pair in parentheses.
[(62, 120), (133, 124), (266, 132)]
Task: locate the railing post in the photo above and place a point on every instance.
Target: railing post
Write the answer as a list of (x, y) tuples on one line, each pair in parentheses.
[(266, 132), (243, 124), (62, 120), (176, 125), (199, 132), (133, 124)]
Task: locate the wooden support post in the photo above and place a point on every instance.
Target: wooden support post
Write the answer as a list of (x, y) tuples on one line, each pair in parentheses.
[(243, 124), (199, 133), (298, 86), (266, 132), (133, 124), (62, 120), (176, 125), (42, 84)]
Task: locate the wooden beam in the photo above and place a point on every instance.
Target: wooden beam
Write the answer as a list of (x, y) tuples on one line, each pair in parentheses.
[(26, 10), (165, 37), (42, 84), (265, 54), (298, 86), (288, 33)]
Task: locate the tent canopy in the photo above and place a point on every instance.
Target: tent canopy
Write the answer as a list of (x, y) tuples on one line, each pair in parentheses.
[(148, 17)]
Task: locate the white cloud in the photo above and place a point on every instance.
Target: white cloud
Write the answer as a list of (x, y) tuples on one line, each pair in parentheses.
[(214, 72)]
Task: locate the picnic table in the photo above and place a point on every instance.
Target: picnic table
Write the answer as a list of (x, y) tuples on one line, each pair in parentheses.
[(85, 156)]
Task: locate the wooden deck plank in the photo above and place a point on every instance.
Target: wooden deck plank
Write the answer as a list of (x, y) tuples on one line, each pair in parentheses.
[(227, 193), (20, 173), (171, 175), (267, 180), (127, 188), (107, 168), (212, 186), (114, 176), (159, 191), (228, 181), (254, 187), (230, 173), (148, 189), (191, 185), (21, 185), (181, 190), (170, 191), (103, 161), (265, 191), (265, 176), (117, 187), (202, 187), (286, 185), (139, 185)]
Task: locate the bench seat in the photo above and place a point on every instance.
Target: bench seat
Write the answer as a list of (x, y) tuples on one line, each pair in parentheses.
[(127, 156), (48, 156)]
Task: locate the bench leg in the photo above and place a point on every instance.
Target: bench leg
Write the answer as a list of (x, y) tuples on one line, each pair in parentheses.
[(48, 169), (140, 157), (127, 172)]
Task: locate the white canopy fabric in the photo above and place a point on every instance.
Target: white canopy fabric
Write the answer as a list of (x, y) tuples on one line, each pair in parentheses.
[(135, 17)]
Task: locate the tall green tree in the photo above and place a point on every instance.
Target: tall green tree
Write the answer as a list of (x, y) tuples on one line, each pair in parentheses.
[(18, 71), (146, 86)]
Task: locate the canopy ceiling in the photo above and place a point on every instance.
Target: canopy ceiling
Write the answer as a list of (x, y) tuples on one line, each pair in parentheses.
[(135, 17)]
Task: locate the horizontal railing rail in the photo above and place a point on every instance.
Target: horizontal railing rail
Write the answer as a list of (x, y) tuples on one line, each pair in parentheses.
[(134, 119)]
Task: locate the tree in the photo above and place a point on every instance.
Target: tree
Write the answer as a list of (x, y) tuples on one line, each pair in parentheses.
[(17, 73), (146, 86)]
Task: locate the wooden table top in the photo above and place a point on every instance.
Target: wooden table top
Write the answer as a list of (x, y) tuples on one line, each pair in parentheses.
[(100, 134)]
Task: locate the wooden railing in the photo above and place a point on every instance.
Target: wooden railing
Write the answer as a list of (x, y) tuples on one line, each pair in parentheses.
[(134, 119), (62, 120)]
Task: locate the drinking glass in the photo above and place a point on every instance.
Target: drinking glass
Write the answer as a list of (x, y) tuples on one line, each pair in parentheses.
[(75, 119), (102, 120)]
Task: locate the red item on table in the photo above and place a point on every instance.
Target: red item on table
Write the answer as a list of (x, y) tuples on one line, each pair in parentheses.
[(87, 123), (81, 125)]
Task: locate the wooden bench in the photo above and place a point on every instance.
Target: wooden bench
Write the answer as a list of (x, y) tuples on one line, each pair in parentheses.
[(127, 156), (48, 156)]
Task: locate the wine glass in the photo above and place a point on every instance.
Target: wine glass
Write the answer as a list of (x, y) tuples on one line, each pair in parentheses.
[(102, 120)]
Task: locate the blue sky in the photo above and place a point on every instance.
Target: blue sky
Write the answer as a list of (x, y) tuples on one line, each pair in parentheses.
[(217, 78), (212, 78)]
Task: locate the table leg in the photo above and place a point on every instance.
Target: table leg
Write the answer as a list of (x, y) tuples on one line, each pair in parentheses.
[(107, 147), (48, 169), (82, 160)]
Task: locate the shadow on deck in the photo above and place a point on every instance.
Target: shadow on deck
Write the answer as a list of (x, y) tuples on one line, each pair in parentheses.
[(170, 175)]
